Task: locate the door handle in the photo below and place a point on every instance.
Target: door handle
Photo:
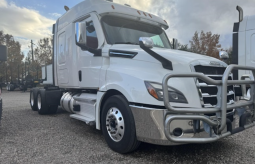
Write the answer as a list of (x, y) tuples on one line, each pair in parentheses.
[(80, 76)]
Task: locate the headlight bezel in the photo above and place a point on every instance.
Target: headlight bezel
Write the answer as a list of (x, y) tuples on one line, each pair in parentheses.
[(156, 91)]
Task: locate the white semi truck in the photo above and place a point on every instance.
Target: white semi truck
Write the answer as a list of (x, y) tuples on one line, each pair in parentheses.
[(243, 43), (114, 67)]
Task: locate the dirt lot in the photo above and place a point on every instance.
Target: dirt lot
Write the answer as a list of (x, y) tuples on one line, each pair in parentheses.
[(26, 137)]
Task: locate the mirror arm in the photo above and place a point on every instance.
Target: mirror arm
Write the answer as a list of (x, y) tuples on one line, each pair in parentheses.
[(96, 52), (165, 63)]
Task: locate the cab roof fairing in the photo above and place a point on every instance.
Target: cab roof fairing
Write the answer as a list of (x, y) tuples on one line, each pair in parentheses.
[(102, 7)]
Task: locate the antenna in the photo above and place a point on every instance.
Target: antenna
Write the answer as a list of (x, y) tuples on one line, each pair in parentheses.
[(66, 8)]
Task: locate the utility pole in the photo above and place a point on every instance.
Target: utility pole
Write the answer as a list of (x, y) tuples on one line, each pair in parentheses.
[(32, 50)]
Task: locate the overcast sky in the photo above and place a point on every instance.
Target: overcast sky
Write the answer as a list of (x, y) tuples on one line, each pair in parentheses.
[(33, 19)]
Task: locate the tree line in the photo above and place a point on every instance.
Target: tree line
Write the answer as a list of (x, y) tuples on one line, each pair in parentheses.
[(17, 66), (205, 43)]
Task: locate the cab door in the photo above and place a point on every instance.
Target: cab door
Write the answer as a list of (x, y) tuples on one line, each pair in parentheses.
[(89, 65)]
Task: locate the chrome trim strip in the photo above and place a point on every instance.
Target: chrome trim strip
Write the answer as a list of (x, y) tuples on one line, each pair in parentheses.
[(115, 53), (122, 54)]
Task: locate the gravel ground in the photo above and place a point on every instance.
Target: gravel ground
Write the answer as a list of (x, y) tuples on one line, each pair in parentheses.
[(26, 137)]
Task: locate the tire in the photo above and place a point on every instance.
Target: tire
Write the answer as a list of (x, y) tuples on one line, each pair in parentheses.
[(122, 138), (33, 99), (8, 87), (11, 87), (43, 107), (21, 87)]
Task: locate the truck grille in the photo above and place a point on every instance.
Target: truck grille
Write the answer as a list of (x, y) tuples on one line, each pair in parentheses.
[(209, 92), (207, 70)]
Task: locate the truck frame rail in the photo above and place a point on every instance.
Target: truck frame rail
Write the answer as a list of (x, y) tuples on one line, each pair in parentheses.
[(220, 109)]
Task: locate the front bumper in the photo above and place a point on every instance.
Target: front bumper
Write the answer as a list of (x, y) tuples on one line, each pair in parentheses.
[(173, 126), (150, 127)]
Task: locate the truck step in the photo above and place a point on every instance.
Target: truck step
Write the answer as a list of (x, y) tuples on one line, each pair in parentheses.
[(87, 120)]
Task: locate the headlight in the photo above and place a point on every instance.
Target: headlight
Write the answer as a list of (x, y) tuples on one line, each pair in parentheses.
[(156, 91)]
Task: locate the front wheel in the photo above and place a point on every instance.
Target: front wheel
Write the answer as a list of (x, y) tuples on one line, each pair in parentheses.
[(118, 125)]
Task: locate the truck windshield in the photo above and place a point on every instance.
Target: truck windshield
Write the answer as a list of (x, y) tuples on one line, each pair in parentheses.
[(124, 31)]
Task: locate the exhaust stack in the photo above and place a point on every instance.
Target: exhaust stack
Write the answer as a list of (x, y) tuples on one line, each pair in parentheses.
[(240, 10)]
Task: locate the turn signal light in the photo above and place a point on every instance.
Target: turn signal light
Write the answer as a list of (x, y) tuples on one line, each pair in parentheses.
[(151, 91)]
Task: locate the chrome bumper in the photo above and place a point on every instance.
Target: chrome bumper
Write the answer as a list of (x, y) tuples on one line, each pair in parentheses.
[(150, 126)]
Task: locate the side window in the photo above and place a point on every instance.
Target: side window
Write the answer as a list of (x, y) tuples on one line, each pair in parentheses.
[(92, 40)]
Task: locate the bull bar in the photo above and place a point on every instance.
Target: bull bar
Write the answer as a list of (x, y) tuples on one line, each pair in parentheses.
[(220, 109)]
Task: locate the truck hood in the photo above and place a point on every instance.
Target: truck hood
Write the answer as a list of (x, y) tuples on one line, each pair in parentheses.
[(177, 57)]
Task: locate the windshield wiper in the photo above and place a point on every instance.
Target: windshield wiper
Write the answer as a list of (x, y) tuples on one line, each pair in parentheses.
[(126, 43)]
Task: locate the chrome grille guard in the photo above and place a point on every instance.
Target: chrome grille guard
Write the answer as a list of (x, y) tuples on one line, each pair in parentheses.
[(220, 109)]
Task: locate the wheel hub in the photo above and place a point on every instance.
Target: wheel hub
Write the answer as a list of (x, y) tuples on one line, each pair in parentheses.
[(115, 124)]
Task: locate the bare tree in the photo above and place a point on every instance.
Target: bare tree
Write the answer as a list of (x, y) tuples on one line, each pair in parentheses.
[(15, 57), (205, 43), (43, 51)]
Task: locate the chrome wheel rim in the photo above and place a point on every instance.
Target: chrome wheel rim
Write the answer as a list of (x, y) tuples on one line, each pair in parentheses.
[(32, 99), (39, 102), (115, 124)]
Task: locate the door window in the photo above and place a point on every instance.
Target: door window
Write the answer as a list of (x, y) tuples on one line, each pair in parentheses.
[(92, 40)]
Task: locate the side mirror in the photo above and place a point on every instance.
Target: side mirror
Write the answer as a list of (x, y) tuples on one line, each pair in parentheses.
[(3, 53), (81, 33), (146, 41), (175, 44), (223, 55)]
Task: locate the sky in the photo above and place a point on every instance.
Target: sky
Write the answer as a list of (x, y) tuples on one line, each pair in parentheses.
[(33, 19)]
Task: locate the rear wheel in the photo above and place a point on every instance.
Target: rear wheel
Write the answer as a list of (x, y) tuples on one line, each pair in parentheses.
[(118, 125), (33, 99), (21, 87), (11, 87), (43, 107)]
